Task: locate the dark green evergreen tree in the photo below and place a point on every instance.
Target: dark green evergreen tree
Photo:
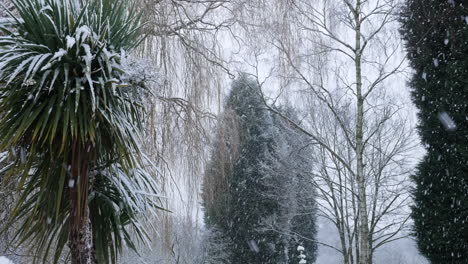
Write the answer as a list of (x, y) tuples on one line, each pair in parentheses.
[(294, 188), (248, 183), (436, 34), (247, 186)]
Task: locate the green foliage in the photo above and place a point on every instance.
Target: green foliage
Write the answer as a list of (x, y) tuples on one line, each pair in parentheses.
[(436, 33), (294, 187), (63, 87), (248, 185), (117, 203)]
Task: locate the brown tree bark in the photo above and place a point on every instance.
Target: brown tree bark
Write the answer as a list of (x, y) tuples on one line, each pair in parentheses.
[(80, 242), (81, 236)]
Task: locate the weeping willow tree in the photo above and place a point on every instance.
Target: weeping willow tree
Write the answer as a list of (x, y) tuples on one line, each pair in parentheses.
[(70, 120), (183, 42)]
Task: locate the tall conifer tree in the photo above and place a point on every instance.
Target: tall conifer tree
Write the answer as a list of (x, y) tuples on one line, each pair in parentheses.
[(249, 181), (436, 34), (247, 186), (293, 187)]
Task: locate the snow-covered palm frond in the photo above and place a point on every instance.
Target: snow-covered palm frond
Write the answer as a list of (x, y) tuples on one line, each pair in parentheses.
[(63, 65), (120, 206), (63, 91)]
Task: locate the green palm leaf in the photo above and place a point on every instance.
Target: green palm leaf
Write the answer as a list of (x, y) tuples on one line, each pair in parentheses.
[(63, 99)]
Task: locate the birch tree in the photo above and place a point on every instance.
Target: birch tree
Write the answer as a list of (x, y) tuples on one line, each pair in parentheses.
[(342, 64)]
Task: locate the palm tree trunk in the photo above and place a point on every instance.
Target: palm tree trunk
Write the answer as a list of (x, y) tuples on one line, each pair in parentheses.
[(81, 236), (81, 243)]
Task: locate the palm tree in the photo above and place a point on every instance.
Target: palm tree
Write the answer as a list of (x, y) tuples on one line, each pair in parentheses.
[(70, 119)]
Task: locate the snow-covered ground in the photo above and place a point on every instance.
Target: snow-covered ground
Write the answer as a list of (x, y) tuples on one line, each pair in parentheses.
[(4, 260), (403, 251)]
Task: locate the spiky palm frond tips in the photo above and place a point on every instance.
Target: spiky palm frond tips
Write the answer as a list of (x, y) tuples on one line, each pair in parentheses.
[(62, 68), (60, 71)]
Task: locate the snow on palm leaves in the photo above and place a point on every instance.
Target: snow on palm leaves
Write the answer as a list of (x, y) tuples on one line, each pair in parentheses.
[(71, 121)]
